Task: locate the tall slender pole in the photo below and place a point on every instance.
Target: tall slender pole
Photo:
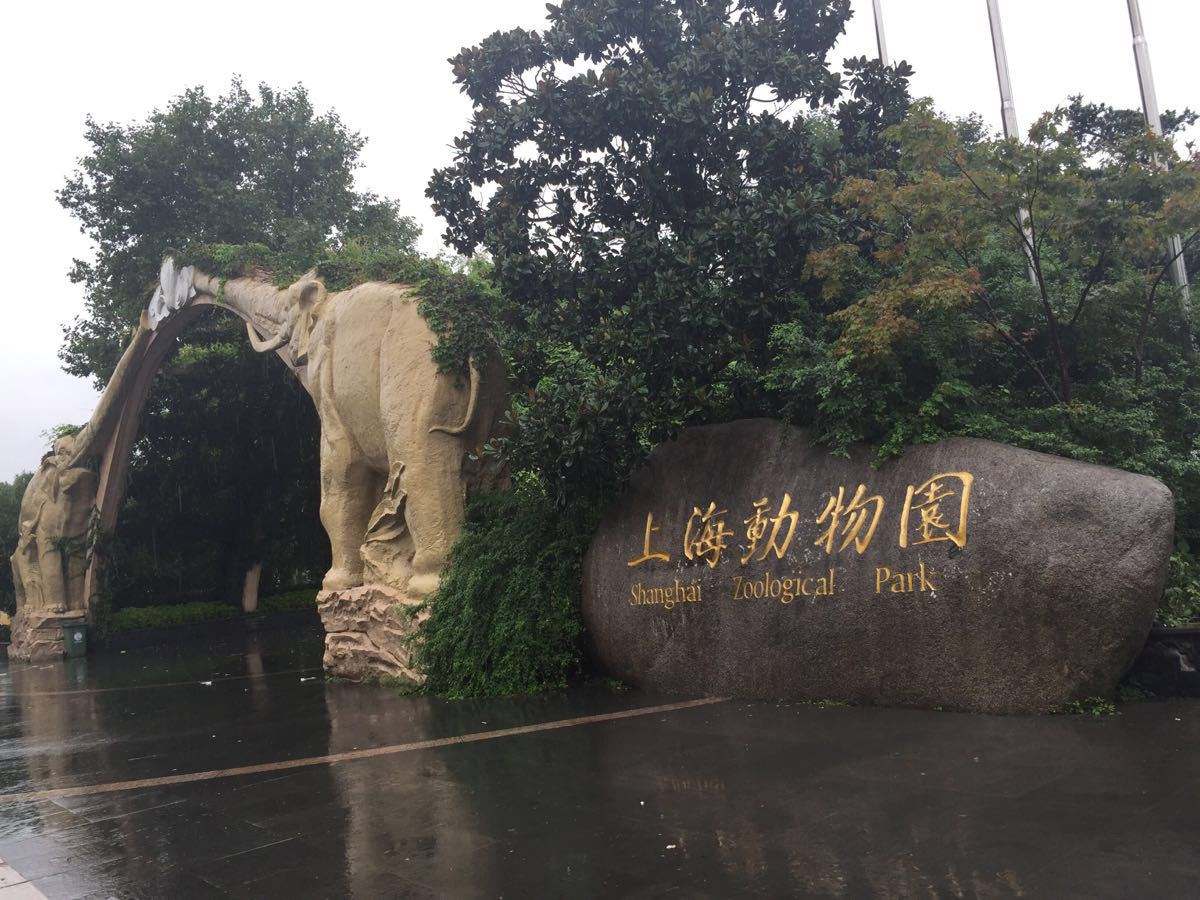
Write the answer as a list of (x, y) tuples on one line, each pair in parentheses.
[(1008, 115), (1141, 57), (1008, 108), (880, 37)]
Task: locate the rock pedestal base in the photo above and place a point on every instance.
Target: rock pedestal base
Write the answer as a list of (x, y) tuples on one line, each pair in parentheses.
[(37, 637), (369, 631)]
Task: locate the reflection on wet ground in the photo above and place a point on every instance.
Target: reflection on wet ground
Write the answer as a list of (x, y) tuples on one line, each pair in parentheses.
[(715, 800)]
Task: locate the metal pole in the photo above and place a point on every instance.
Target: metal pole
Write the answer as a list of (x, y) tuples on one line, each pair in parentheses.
[(880, 37), (1008, 109), (1141, 57), (1008, 115)]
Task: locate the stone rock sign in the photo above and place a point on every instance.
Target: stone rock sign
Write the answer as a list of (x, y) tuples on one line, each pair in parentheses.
[(966, 574)]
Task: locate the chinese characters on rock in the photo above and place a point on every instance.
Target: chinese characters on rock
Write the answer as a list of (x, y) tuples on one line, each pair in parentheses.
[(934, 511)]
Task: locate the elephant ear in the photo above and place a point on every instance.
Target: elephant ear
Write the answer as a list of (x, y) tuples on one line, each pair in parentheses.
[(308, 293)]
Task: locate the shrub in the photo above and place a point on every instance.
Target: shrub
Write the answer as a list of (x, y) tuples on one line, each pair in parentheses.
[(1181, 602), (506, 619), (293, 601), (1096, 707), (135, 618)]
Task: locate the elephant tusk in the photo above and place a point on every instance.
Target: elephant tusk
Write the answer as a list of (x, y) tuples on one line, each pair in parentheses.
[(471, 403), (262, 346)]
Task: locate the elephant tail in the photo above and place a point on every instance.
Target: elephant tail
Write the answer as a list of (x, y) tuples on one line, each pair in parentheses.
[(472, 402)]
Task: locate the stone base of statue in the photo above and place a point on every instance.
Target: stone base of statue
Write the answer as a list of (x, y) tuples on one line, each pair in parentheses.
[(369, 632), (37, 636)]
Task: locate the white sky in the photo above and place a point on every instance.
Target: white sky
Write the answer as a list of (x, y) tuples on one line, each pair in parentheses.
[(383, 67)]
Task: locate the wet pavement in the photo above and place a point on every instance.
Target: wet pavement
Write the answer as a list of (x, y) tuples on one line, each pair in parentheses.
[(358, 792)]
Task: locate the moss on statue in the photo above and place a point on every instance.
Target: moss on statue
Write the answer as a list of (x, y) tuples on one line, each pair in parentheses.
[(458, 302)]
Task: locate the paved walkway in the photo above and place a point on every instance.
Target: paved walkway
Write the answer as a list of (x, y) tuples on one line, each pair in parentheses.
[(237, 770)]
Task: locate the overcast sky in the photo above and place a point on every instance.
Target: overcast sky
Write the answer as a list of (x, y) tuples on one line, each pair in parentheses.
[(383, 67)]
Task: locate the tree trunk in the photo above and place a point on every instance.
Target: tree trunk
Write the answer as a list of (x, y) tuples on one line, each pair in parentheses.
[(250, 588)]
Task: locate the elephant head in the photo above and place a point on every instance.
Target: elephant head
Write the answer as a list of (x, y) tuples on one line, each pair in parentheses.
[(284, 315), (296, 327)]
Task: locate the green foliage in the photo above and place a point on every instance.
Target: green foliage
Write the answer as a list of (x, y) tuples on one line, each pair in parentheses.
[(1181, 603), (11, 493), (301, 600), (641, 179), (135, 618), (506, 617), (225, 473), (1096, 707)]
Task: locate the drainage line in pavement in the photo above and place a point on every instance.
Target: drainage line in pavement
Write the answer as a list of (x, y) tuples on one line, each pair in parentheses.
[(370, 753)]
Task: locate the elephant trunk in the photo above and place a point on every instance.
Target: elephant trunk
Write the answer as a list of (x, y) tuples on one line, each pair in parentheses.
[(92, 436), (261, 304)]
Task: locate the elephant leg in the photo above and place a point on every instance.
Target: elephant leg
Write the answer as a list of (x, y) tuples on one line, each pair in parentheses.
[(50, 565), (349, 492), (19, 570), (434, 511)]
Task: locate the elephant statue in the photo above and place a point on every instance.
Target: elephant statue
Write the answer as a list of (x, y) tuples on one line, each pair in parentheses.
[(51, 558), (395, 431)]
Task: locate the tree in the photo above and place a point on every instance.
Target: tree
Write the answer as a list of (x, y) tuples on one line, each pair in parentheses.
[(225, 474), (647, 177), (644, 179), (938, 328)]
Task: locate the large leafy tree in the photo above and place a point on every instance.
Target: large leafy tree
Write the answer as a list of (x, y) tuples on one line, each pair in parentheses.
[(648, 179), (225, 474)]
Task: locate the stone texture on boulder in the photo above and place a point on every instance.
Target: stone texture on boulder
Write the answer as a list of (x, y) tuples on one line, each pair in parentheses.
[(1011, 582), (368, 631)]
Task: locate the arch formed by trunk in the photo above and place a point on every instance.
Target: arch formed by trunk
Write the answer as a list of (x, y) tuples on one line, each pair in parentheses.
[(115, 454)]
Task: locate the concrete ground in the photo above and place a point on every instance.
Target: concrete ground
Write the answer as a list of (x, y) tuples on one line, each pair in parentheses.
[(237, 770)]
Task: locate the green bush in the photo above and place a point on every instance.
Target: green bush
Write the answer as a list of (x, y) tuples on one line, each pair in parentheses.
[(135, 618), (506, 619), (1181, 602), (293, 601)]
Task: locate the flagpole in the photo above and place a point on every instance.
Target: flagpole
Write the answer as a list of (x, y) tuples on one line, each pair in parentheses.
[(1008, 116), (880, 37), (1008, 108), (1141, 58)]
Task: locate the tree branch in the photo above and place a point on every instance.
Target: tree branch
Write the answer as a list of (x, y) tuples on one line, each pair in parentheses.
[(1139, 348)]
